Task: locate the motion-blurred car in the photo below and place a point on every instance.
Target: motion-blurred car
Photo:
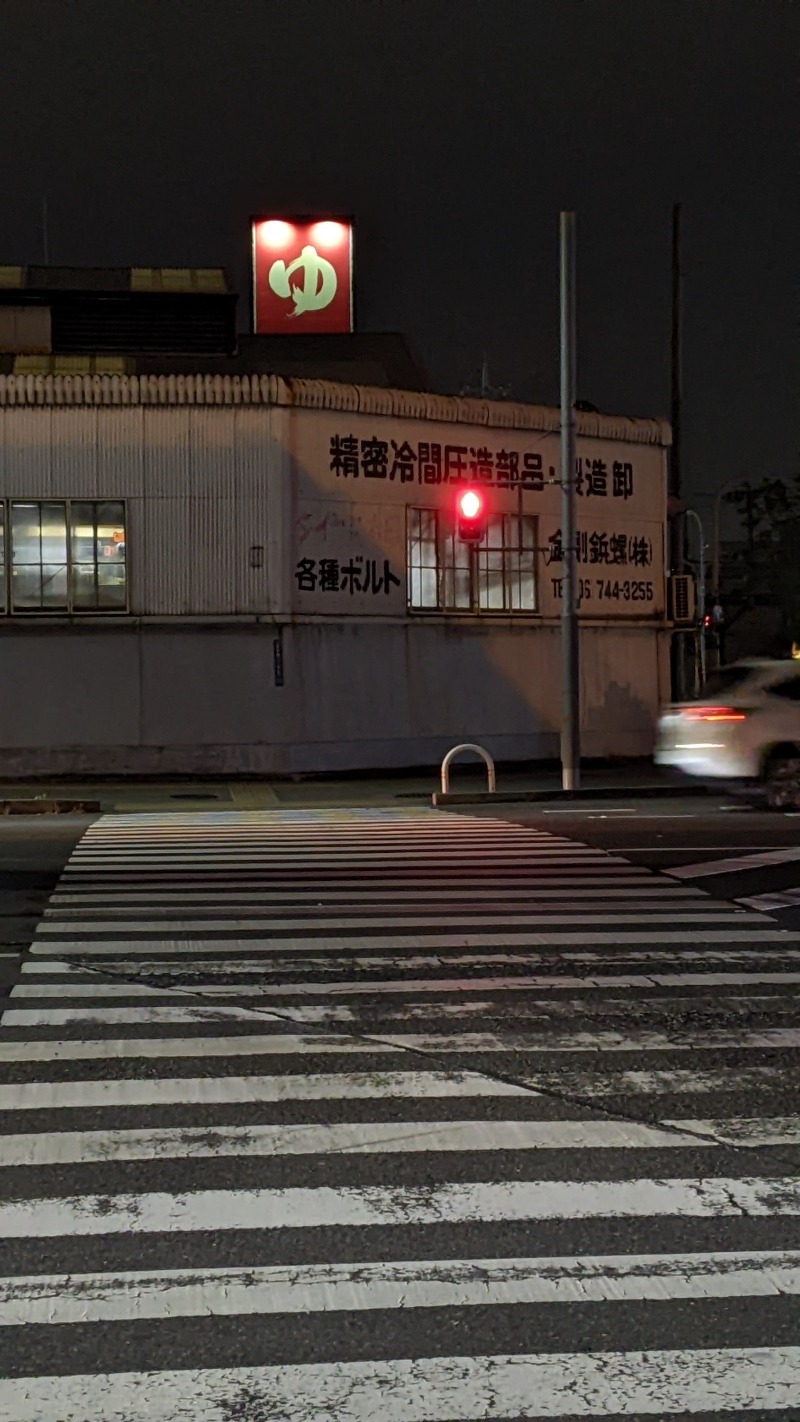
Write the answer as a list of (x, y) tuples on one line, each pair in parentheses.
[(743, 731)]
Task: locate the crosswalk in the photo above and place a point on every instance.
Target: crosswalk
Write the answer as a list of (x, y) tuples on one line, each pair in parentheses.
[(337, 1116), (730, 871)]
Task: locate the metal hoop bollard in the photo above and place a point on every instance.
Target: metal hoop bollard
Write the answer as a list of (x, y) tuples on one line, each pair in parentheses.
[(485, 756)]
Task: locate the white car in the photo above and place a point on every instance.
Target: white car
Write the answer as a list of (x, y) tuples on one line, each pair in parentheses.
[(743, 730)]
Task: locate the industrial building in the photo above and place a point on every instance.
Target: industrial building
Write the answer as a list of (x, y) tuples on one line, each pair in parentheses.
[(211, 567)]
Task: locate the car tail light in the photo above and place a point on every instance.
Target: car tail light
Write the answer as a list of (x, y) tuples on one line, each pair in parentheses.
[(714, 713)]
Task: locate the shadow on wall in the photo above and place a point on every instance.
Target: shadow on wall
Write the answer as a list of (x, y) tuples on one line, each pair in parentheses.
[(621, 716)]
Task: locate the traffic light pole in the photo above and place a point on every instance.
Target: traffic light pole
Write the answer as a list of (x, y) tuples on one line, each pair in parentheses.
[(570, 660)]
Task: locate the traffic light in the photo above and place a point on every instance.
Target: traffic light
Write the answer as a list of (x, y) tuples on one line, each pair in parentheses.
[(471, 515)]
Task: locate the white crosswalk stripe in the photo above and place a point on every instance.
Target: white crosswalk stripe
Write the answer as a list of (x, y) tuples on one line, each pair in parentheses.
[(310, 1288), (507, 1121), (431, 1390)]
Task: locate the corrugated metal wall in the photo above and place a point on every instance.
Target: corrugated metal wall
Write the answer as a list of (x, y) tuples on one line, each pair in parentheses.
[(197, 480)]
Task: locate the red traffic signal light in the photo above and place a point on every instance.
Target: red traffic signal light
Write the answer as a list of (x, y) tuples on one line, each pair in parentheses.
[(471, 515)]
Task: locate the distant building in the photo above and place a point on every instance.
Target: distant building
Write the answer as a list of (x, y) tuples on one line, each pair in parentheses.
[(171, 321), (213, 567)]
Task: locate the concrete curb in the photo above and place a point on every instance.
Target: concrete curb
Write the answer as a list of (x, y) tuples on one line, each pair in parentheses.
[(593, 792), (49, 807)]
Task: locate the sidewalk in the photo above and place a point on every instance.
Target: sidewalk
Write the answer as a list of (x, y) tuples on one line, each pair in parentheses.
[(638, 778)]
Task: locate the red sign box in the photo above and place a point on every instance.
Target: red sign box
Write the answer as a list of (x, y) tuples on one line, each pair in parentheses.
[(302, 276)]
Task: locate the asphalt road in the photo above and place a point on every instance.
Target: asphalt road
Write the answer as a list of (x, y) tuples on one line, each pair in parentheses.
[(391, 1114), (33, 851), (668, 834), (662, 833)]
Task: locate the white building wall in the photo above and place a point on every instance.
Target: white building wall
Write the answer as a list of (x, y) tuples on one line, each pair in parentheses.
[(189, 680), (198, 483), (179, 699)]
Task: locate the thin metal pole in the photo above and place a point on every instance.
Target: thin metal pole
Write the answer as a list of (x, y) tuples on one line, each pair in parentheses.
[(678, 550), (570, 655), (676, 473), (701, 592)]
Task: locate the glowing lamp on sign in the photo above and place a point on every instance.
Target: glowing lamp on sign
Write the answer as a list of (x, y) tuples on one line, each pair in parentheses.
[(328, 234), (275, 234), (471, 516)]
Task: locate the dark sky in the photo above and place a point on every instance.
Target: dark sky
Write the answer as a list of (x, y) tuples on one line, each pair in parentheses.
[(454, 130)]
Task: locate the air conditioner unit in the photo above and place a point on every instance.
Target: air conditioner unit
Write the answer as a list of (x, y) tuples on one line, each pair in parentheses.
[(682, 603)]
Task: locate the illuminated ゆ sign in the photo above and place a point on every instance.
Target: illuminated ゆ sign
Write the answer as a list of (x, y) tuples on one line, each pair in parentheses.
[(302, 277)]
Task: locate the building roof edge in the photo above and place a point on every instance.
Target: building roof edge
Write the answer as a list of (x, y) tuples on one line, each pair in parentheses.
[(232, 390)]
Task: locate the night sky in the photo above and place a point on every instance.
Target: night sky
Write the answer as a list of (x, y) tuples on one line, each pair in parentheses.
[(454, 131)]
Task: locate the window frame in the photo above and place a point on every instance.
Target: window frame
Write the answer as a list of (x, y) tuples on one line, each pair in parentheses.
[(71, 608), (454, 558)]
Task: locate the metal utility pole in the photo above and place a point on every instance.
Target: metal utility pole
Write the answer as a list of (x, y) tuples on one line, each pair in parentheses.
[(675, 481), (570, 656), (678, 541)]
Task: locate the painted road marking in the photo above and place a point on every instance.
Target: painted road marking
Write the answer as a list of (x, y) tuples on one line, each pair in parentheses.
[(646, 894), (698, 1039), (746, 1130), (178, 983), (656, 1383), (409, 921), (337, 1138), (144, 947), (354, 874), (360, 1207), (736, 957), (509, 983), (61, 1016), (709, 868), (117, 1048), (778, 899), (665, 1081), (455, 1283), (226, 1090), (210, 1012)]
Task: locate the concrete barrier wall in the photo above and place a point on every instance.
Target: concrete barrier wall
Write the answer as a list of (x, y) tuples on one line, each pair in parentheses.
[(201, 699)]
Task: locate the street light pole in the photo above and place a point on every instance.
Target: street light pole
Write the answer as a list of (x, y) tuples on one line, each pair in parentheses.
[(570, 651), (678, 532)]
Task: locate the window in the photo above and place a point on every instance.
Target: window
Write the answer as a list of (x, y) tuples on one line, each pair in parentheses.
[(97, 557), (422, 559), (447, 575), (39, 557), (63, 555)]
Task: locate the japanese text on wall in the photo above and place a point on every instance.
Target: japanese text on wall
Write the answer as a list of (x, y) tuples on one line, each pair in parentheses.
[(427, 462), (357, 575), (616, 549)]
